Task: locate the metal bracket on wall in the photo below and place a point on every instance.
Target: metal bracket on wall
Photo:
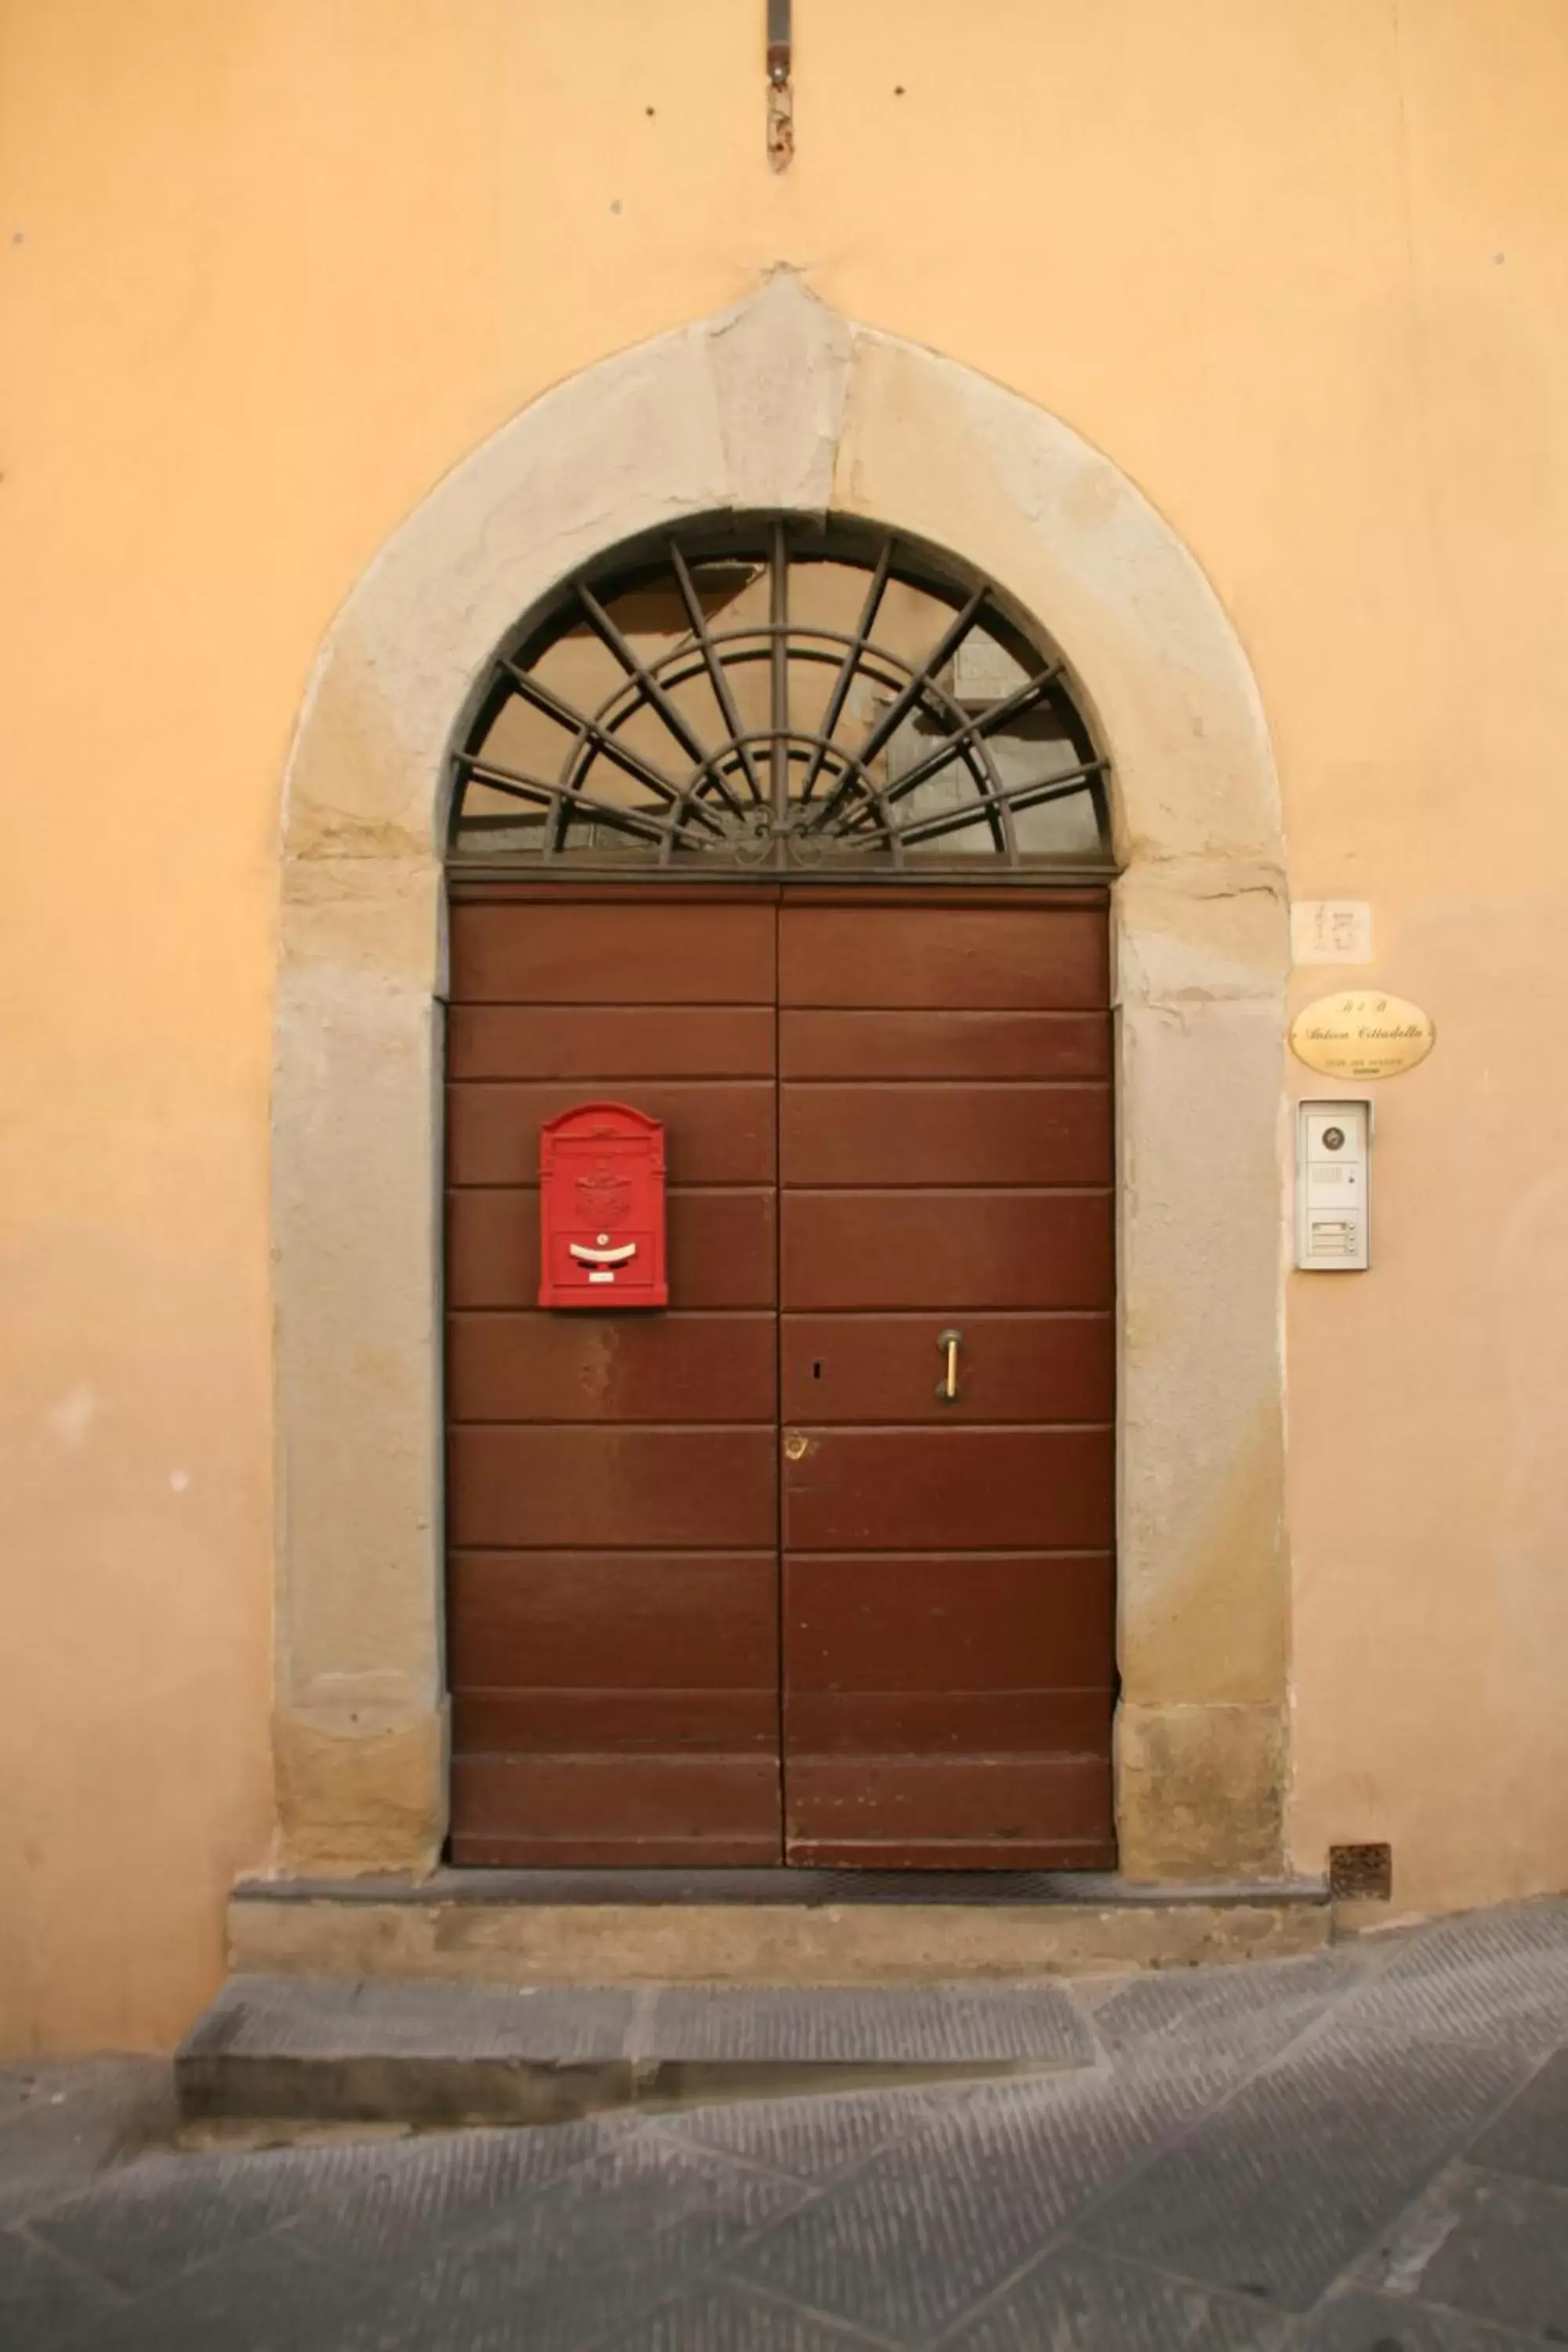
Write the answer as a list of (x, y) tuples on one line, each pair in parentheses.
[(781, 89)]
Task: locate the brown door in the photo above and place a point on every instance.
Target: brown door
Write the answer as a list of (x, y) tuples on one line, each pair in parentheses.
[(613, 1480), (936, 1077), (945, 1168)]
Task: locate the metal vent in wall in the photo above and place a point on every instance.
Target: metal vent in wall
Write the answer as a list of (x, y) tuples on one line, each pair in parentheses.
[(1361, 1874)]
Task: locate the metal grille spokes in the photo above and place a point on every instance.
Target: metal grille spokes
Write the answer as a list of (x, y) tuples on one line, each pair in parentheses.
[(778, 694)]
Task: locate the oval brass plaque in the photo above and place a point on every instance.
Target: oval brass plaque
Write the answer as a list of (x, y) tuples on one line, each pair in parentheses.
[(1363, 1033)]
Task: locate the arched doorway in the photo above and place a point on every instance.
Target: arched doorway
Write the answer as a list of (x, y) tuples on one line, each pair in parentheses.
[(791, 834), (781, 405)]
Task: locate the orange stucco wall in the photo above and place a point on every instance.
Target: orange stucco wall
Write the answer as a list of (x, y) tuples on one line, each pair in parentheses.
[(271, 266)]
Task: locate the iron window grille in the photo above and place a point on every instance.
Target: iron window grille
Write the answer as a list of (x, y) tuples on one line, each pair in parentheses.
[(778, 694)]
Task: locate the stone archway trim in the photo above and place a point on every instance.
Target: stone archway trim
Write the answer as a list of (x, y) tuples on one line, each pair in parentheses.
[(780, 403)]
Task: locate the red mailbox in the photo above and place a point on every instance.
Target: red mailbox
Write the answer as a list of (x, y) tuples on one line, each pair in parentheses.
[(601, 1208)]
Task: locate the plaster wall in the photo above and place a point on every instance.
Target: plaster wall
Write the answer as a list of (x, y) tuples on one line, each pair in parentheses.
[(271, 269)]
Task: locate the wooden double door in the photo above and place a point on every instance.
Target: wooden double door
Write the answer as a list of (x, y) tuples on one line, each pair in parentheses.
[(735, 1582)]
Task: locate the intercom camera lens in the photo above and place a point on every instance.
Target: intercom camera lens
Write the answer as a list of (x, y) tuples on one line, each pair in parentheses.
[(1333, 1137)]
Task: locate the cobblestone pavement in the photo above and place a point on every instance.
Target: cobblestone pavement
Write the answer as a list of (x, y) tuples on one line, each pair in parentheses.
[(1363, 2151)]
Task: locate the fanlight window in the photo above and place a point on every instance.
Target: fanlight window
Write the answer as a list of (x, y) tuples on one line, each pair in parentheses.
[(775, 695)]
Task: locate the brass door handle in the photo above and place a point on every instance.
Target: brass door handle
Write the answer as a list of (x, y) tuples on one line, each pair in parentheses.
[(947, 1387)]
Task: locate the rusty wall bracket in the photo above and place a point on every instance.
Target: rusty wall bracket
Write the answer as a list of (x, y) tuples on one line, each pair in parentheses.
[(780, 85)]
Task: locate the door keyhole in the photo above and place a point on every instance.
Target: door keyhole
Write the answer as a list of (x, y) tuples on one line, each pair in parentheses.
[(816, 1371)]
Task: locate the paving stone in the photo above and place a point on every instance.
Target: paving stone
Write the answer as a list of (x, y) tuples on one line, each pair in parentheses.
[(433, 2053), (1076, 2301), (43, 2300), (1122, 2206), (919, 2234), (61, 2123), (445, 2185), (166, 2214), (267, 2297), (924, 2025), (1377, 2323), (1487, 2244), (1498, 1976), (808, 2140), (328, 2017), (1225, 2019), (586, 2255), (442, 2054), (1531, 2136), (30, 2086), (725, 2319), (1283, 2187)]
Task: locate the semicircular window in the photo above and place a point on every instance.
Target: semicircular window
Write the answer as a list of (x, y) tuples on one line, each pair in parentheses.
[(778, 694)]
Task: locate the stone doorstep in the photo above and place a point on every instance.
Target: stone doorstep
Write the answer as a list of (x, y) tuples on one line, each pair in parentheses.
[(327, 2050), (520, 1929)]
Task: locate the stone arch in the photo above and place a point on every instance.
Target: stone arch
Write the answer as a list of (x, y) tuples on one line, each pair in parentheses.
[(782, 403)]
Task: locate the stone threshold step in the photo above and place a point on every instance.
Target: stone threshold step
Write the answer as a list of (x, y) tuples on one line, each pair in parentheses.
[(1069, 1889), (328, 2050), (523, 1928)]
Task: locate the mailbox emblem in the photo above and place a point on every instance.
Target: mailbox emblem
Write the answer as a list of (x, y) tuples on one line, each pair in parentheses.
[(601, 1208)]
